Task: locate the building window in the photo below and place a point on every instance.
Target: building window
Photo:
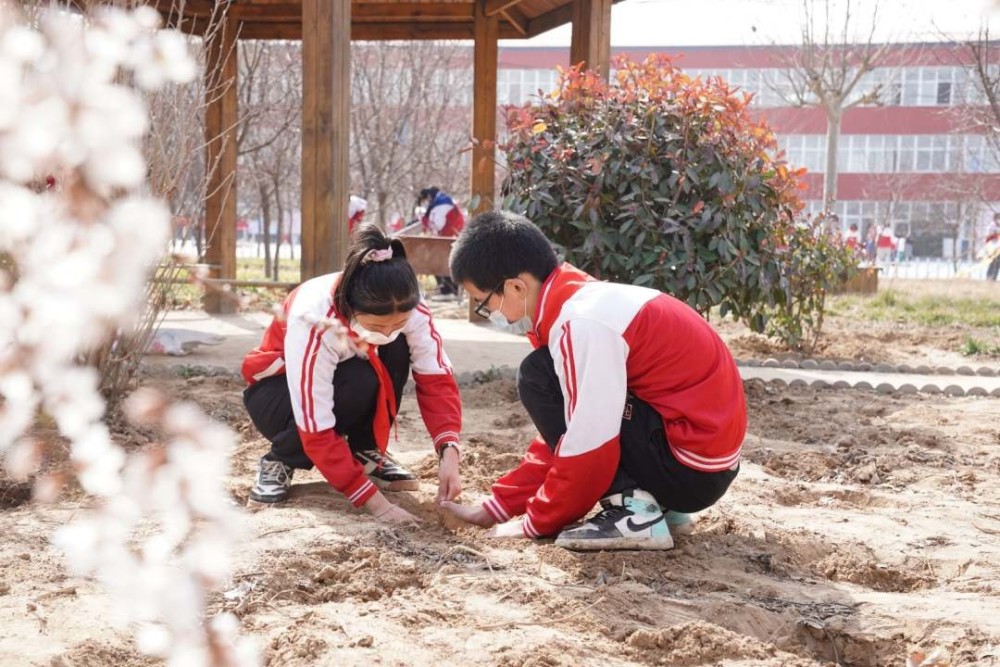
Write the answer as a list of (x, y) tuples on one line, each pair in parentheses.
[(931, 86), (805, 150), (881, 154), (518, 86), (944, 93), (980, 156), (888, 82)]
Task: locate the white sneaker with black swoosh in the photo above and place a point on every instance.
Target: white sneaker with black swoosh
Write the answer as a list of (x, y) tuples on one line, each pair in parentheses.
[(627, 520)]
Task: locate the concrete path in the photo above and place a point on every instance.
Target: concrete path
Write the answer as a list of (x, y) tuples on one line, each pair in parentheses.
[(479, 348), (471, 347)]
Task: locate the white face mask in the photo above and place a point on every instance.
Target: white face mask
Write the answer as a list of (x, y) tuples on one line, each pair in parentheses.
[(518, 328), (373, 337)]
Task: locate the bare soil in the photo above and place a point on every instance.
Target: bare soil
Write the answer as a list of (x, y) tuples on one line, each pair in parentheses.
[(861, 527), (850, 335)]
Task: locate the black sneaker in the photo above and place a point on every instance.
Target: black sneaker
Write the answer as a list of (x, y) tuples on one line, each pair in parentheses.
[(385, 473), (627, 520), (274, 479)]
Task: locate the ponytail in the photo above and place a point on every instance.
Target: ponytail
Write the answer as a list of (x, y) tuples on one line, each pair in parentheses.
[(377, 279)]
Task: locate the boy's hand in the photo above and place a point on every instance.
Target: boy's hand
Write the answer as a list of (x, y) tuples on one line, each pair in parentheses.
[(449, 479), (511, 529), (476, 515)]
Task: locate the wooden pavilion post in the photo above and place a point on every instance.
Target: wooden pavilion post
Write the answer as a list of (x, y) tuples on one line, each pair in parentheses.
[(484, 108), (591, 41), (326, 108), (484, 113), (220, 139)]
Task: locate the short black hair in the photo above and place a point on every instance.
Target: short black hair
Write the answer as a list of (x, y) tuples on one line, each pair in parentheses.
[(372, 287), (498, 245), (428, 194)]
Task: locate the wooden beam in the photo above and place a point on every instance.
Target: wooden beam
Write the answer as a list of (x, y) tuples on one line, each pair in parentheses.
[(374, 31), (591, 41), (494, 7), (220, 138), (550, 20), (553, 19), (326, 107), (425, 11), (516, 20), (443, 12)]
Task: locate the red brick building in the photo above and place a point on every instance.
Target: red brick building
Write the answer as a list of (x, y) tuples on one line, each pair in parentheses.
[(908, 162)]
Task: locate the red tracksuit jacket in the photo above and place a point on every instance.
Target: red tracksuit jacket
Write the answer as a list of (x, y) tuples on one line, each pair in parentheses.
[(443, 217), (608, 340), (308, 356)]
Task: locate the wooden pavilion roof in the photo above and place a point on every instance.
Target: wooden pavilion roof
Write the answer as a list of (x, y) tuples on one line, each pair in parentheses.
[(374, 19)]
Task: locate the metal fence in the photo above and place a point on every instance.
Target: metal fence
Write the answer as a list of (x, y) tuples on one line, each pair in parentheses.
[(918, 268), (933, 268)]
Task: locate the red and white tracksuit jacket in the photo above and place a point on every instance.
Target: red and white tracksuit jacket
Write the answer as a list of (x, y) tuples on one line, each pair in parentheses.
[(356, 207), (608, 340), (308, 356), (443, 217)]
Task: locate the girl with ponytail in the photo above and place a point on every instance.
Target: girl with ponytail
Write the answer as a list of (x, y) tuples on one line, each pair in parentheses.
[(327, 395)]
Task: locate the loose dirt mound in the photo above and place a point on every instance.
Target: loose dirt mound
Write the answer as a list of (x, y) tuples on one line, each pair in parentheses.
[(701, 643), (861, 527)]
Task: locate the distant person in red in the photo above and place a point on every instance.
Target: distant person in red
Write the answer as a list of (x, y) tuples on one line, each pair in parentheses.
[(885, 244), (356, 208), (397, 224), (853, 237), (441, 218)]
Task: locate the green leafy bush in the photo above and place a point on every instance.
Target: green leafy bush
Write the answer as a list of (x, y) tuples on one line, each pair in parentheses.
[(667, 181)]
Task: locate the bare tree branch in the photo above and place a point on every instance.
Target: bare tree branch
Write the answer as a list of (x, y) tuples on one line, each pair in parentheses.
[(832, 72)]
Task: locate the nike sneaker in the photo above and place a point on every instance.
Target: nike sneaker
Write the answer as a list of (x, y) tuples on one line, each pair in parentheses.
[(628, 520), (680, 523), (273, 481)]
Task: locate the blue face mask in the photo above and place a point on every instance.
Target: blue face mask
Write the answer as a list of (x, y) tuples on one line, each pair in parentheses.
[(519, 327)]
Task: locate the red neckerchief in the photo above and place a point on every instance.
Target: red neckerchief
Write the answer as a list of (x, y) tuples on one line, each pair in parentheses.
[(561, 284), (385, 402)]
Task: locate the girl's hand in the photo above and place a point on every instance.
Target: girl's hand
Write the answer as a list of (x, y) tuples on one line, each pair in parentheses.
[(449, 479), (475, 515), (383, 510)]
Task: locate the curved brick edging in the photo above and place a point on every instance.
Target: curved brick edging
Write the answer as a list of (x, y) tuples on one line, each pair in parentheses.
[(870, 382), (882, 383), (864, 367)]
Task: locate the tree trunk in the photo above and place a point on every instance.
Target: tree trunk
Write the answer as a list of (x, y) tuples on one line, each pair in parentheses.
[(199, 239), (383, 199), (291, 230), (281, 216), (265, 211), (277, 250), (833, 116)]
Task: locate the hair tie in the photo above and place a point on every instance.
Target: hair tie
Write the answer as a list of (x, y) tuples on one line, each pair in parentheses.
[(377, 255)]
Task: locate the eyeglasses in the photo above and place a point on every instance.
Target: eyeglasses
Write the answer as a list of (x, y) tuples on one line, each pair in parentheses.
[(481, 308)]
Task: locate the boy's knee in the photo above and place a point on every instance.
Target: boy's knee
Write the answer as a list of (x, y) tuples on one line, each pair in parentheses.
[(535, 372)]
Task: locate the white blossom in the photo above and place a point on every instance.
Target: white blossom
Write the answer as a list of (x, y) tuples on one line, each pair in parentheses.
[(116, 165), (22, 45), (23, 459), (162, 60), (162, 526), (19, 214)]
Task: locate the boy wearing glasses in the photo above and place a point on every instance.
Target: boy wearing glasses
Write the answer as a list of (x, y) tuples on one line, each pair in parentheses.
[(637, 400)]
